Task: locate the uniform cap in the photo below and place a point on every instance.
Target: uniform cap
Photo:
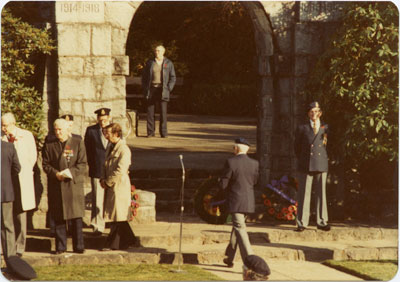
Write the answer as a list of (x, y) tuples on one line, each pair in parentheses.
[(67, 117), (243, 141), (103, 112), (314, 105)]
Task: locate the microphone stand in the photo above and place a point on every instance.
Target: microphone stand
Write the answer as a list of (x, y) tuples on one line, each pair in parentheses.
[(180, 257)]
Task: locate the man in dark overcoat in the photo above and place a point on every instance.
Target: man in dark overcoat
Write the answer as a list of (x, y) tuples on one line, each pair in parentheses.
[(238, 180), (310, 148), (158, 80), (10, 167), (64, 161), (96, 145)]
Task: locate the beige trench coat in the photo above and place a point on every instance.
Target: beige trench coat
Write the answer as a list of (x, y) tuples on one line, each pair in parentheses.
[(27, 155), (117, 199)]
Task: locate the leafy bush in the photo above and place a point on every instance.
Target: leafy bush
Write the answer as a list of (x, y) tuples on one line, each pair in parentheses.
[(20, 43)]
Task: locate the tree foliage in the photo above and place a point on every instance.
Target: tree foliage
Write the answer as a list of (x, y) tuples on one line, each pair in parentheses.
[(357, 82), (20, 44)]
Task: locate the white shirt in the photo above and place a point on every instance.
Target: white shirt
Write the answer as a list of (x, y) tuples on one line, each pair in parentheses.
[(317, 124), (103, 138)]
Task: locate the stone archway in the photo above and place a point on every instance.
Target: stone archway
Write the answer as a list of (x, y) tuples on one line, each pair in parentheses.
[(91, 63)]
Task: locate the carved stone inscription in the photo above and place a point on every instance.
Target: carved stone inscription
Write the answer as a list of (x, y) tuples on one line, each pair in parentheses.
[(79, 11)]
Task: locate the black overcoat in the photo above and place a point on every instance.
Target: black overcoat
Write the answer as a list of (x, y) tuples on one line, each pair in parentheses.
[(10, 167), (66, 198), (310, 149), (238, 179), (95, 151)]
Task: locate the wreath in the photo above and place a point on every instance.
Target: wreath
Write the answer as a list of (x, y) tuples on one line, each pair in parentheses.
[(209, 202), (279, 198), (134, 203)]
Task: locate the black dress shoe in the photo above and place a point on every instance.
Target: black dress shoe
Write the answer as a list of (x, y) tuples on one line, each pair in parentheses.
[(59, 252), (324, 228), (79, 251), (97, 233), (300, 229), (19, 255), (228, 263)]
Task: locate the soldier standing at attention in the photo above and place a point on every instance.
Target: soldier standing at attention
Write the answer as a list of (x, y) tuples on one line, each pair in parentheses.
[(310, 148)]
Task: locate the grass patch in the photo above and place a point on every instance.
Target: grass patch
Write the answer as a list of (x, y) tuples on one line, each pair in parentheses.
[(382, 270), (122, 272)]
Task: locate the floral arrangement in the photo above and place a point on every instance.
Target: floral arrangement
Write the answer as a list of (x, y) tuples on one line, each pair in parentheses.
[(134, 203), (279, 198)]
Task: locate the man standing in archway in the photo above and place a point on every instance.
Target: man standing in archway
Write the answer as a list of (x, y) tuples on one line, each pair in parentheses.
[(158, 80)]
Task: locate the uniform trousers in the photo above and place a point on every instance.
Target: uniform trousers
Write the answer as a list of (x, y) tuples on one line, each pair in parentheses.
[(304, 198), (7, 230), (61, 234), (155, 99), (121, 236), (97, 220), (239, 237)]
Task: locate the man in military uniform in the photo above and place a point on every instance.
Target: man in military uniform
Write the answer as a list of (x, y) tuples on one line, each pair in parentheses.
[(96, 145), (310, 148)]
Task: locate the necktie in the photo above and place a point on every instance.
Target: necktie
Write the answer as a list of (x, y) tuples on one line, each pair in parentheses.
[(315, 128)]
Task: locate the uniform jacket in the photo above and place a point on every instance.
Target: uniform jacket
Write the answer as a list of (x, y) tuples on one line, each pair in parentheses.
[(66, 198), (310, 149), (239, 177), (115, 173), (95, 151), (27, 156), (10, 168), (168, 78)]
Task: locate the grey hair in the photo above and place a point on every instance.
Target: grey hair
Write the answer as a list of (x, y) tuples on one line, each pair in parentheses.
[(62, 123), (242, 148), (9, 117)]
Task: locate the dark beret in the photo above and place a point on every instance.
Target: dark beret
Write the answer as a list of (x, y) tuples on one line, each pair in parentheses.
[(103, 112), (313, 105), (67, 117), (257, 264), (241, 140), (21, 268)]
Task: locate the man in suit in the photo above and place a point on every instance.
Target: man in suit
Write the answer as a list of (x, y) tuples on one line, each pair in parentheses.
[(239, 178), (25, 146), (310, 148), (96, 145), (10, 167), (64, 162), (158, 80)]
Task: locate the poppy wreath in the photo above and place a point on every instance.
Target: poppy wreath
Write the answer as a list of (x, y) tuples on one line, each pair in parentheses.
[(209, 202), (134, 203), (279, 198)]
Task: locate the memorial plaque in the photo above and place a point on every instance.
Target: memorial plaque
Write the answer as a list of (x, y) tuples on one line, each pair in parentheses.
[(323, 11), (79, 12)]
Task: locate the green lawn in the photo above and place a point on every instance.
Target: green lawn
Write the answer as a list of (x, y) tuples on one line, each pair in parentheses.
[(383, 270), (121, 272)]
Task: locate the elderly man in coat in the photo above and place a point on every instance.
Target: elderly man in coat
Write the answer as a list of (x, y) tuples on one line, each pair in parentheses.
[(64, 161), (158, 80), (116, 182), (25, 145), (238, 180)]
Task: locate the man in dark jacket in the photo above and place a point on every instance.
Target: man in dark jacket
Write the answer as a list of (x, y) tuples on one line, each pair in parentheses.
[(64, 162), (238, 180), (96, 145), (10, 167), (158, 80), (310, 148)]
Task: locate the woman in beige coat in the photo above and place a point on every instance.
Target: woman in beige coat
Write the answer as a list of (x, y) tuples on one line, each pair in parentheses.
[(115, 180)]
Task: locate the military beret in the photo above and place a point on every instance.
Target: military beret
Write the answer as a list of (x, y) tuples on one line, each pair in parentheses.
[(313, 105), (257, 264), (103, 112), (243, 141), (21, 268), (67, 117)]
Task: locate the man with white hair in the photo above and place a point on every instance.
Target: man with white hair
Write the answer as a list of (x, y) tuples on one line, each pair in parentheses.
[(64, 161), (239, 178), (25, 145), (158, 80)]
